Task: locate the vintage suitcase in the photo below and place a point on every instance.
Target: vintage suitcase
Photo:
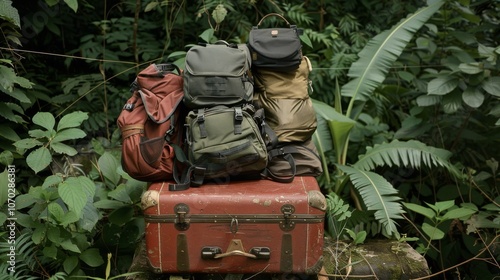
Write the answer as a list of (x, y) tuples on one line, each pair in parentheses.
[(237, 227)]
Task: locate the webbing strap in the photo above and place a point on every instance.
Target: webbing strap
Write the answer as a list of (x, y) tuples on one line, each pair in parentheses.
[(238, 119), (201, 123), (192, 175), (286, 153), (171, 129), (129, 130)]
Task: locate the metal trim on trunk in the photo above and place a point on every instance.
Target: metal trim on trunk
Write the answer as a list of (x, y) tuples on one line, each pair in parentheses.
[(242, 218)]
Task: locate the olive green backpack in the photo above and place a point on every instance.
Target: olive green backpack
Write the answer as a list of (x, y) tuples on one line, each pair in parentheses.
[(222, 143)]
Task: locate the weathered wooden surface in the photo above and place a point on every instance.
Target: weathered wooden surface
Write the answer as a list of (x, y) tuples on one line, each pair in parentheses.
[(383, 259)]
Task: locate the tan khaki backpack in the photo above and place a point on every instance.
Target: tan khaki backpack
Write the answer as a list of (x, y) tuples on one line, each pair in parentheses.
[(285, 99)]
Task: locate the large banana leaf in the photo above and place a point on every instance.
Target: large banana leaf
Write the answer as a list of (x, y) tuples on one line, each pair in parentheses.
[(413, 154), (333, 127), (375, 60), (378, 195)]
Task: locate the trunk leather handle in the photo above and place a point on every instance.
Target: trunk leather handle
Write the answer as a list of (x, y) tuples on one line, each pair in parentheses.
[(235, 248), (235, 253)]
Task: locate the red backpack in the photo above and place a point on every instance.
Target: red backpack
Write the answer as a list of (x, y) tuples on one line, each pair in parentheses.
[(151, 121)]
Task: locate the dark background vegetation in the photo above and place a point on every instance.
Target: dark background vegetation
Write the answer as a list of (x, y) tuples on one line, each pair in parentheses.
[(78, 58)]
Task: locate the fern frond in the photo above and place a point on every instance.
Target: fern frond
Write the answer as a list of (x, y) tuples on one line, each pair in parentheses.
[(378, 195), (413, 154), (382, 51)]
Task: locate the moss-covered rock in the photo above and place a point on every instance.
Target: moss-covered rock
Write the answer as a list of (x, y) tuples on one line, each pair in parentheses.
[(382, 259)]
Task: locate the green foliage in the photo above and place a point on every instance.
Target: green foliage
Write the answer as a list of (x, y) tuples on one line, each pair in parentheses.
[(368, 73), (437, 214), (337, 217), (48, 140), (403, 91)]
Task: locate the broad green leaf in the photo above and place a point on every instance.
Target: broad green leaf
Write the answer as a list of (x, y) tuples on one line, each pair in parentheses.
[(458, 213), (442, 85), (69, 218), (45, 120), (428, 100), (219, 13), (9, 133), (305, 39), (90, 216), (429, 213), (468, 14), (39, 159), (492, 86), (52, 180), (7, 112), (473, 97), (69, 245), (84, 184), (442, 206), (24, 201), (54, 234), (120, 193), (471, 68), (27, 143), (6, 158), (339, 126), (61, 148), (73, 119), (73, 195), (19, 94), (56, 210), (92, 257), (9, 79), (360, 237), (9, 13), (487, 52), (4, 186), (405, 75), (122, 215), (150, 6), (3, 218), (207, 35), (109, 204), (38, 133), (69, 134), (433, 232), (108, 165), (452, 102), (50, 252), (39, 233), (73, 4), (70, 264)]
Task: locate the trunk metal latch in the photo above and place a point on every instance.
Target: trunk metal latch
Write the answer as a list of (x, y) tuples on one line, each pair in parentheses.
[(288, 224), (181, 220)]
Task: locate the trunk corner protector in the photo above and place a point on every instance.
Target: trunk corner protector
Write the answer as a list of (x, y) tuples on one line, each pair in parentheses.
[(317, 200), (149, 199)]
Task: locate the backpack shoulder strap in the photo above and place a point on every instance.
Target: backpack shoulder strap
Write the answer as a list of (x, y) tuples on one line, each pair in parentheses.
[(193, 176)]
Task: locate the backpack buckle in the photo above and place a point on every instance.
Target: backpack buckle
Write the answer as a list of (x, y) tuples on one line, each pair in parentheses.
[(238, 114), (129, 107), (200, 115)]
